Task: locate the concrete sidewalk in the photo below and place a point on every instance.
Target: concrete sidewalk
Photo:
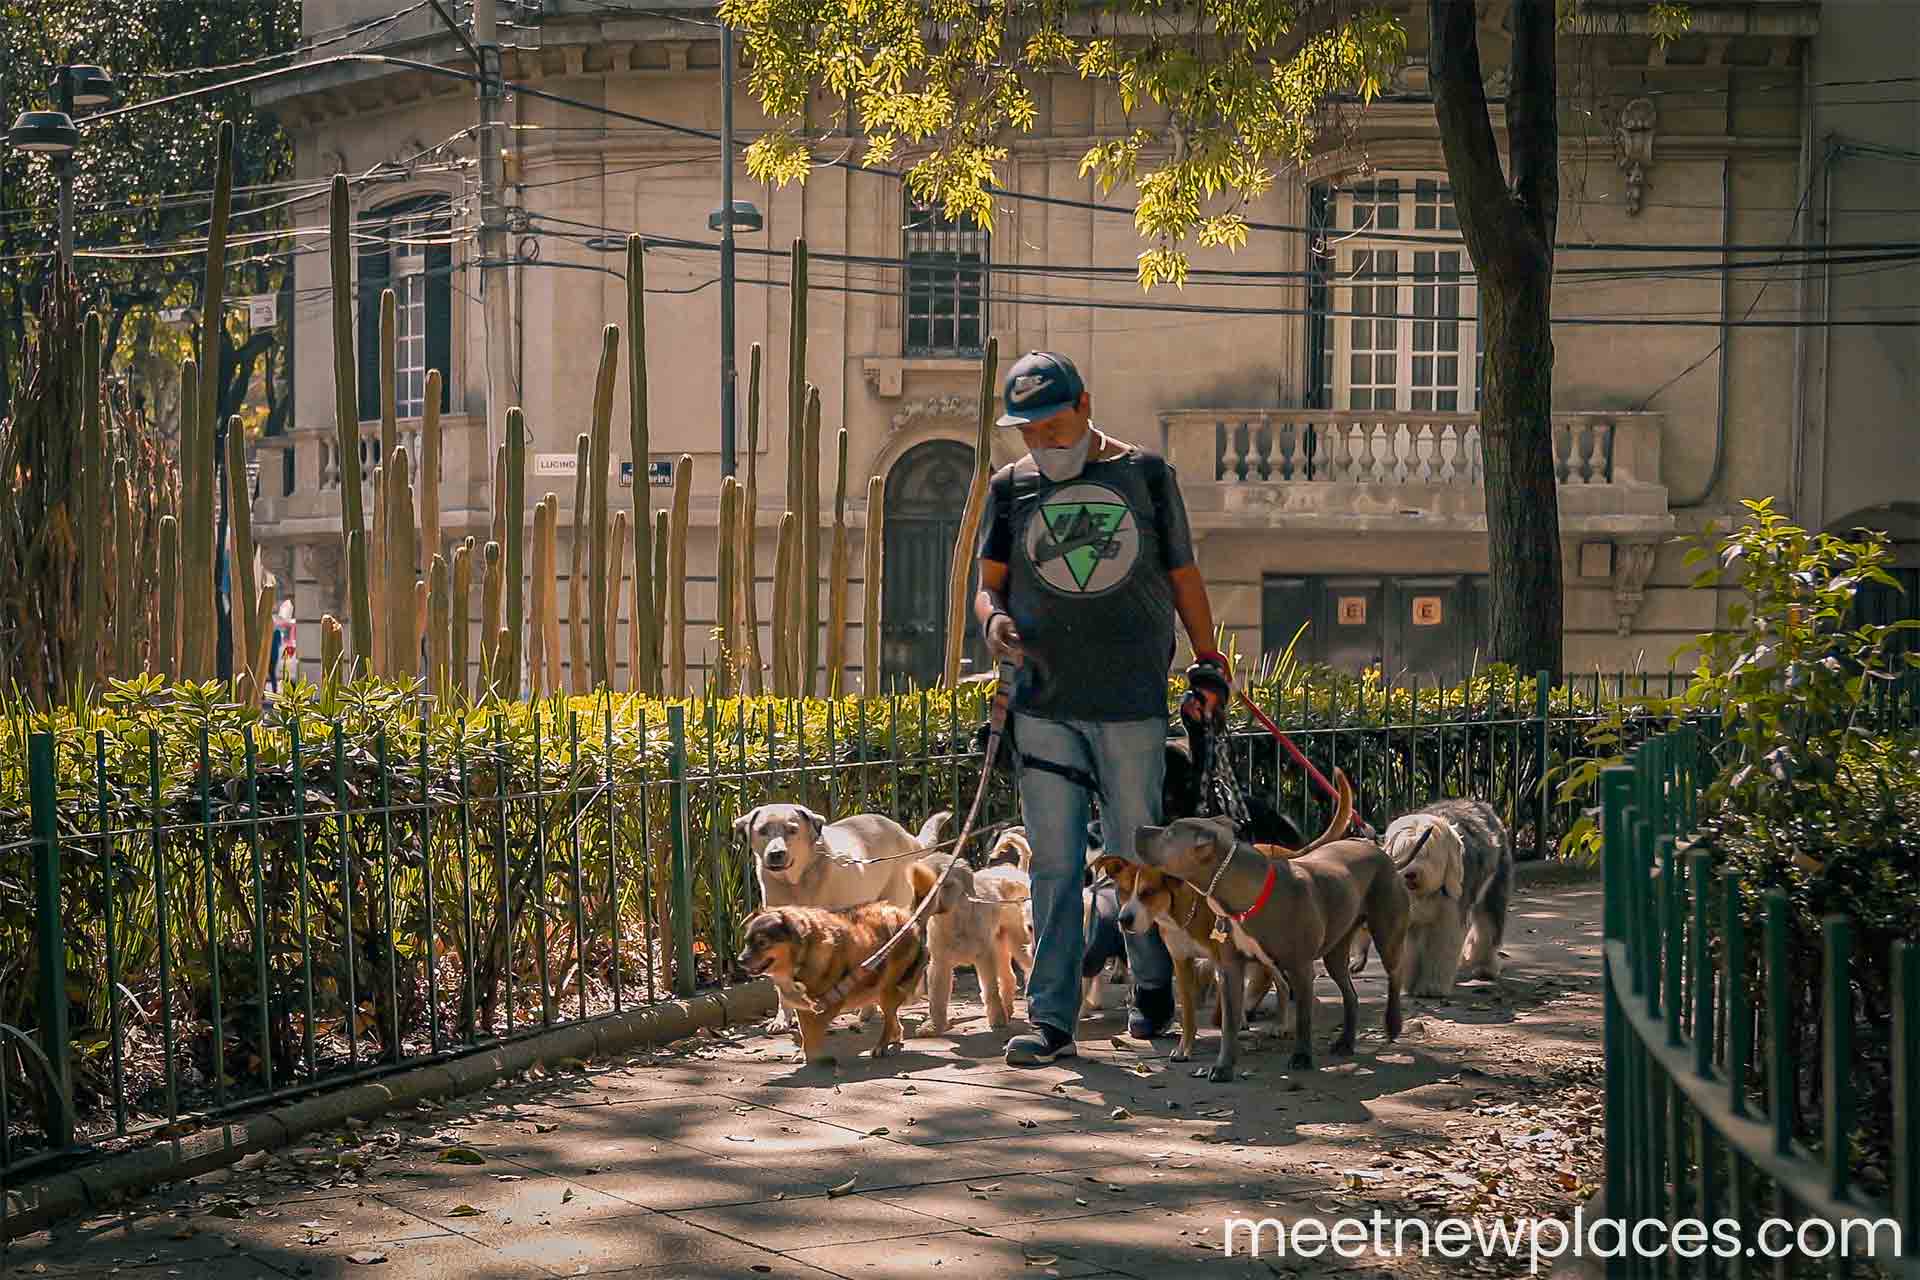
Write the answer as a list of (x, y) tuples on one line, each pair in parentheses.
[(723, 1158)]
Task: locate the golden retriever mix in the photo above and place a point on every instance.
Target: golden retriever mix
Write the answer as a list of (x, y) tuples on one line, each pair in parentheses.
[(809, 953), (978, 921)]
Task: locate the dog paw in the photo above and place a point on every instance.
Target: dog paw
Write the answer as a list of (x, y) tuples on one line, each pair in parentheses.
[(1300, 1061), (1179, 1055), (889, 1048), (1220, 1073)]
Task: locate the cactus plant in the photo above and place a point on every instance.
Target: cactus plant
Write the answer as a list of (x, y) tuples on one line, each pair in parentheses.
[(165, 655), (87, 530), (577, 589), (643, 637), (539, 589), (961, 572), (516, 527), (600, 454), (126, 613), (459, 620), (430, 469), (837, 581), (491, 590), (551, 620), (439, 633), (389, 374), (398, 624), (331, 644), (809, 612), (346, 410), (262, 642), (796, 373), (661, 540), (244, 591), (677, 578), (726, 603), (380, 621), (870, 588), (750, 531), (784, 558), (203, 589), (499, 534), (620, 532)]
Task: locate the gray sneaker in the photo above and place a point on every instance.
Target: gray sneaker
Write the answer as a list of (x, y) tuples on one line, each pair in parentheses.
[(1039, 1046)]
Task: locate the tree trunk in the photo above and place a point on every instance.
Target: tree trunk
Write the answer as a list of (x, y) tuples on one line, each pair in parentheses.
[(1509, 228)]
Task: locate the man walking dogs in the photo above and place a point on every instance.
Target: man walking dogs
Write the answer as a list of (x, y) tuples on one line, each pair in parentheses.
[(1085, 559)]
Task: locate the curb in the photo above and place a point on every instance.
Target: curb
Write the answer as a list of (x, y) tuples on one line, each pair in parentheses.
[(37, 1205)]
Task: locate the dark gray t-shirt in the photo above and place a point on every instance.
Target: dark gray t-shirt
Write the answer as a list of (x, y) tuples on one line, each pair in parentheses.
[(1087, 584)]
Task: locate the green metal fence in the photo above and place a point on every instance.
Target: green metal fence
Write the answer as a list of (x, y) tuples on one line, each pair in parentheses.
[(1697, 1126)]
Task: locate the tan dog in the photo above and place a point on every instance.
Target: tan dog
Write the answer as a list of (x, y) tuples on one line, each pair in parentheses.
[(1284, 915), (978, 921), (1150, 896), (809, 951)]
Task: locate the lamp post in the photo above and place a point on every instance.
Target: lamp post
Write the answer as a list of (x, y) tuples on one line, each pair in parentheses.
[(54, 135), (732, 215)]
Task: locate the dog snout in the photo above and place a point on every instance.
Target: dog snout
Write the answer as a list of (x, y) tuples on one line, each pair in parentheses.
[(1412, 877), (775, 855), (1130, 918)]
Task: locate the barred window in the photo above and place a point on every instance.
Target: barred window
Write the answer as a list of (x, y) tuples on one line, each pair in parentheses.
[(946, 302), (407, 247), (1409, 338)]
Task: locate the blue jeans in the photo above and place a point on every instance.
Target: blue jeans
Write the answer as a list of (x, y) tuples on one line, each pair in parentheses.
[(1129, 758)]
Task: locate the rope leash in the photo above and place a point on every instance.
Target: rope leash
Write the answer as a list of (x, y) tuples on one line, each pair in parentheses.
[(997, 728)]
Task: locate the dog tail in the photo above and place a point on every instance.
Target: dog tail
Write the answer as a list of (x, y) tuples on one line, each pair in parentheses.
[(931, 828), (1342, 813)]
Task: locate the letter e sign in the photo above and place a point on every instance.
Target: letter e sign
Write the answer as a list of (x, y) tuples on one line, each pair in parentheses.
[(1426, 611), (1353, 611)]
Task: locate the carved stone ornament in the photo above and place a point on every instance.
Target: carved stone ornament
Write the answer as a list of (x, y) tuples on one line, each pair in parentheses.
[(1632, 565), (1633, 138), (966, 408)]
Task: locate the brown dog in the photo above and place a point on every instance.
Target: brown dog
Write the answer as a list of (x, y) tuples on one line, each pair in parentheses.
[(977, 921), (1284, 915), (1150, 896), (809, 951)]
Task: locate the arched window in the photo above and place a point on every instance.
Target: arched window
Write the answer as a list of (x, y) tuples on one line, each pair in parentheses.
[(407, 247)]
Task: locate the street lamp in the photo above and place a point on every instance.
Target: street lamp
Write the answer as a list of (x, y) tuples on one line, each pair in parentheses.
[(732, 215), (53, 134)]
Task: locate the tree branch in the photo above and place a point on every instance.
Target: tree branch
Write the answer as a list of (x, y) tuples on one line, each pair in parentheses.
[(1533, 126), (1490, 220)]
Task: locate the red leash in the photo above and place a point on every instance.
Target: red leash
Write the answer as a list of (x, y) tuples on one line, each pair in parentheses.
[(1319, 779)]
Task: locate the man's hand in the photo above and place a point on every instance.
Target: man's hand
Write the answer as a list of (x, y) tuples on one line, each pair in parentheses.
[(1208, 688), (1003, 639)]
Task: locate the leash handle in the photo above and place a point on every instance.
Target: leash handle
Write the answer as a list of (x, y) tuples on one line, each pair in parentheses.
[(1319, 779)]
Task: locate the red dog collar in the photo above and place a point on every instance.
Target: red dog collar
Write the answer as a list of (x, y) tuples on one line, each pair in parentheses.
[(1266, 891)]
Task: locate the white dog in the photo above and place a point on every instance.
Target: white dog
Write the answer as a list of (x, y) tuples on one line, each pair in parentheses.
[(802, 860), (1457, 861), (978, 921)]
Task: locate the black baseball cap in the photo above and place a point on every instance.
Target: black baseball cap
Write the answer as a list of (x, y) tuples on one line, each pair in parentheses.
[(1040, 384)]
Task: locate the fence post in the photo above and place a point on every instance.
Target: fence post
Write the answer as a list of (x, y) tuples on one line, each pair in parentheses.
[(1542, 688), (43, 797), (683, 973)]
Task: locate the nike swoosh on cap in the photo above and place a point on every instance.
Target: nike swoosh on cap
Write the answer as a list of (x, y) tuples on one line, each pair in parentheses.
[(1025, 385)]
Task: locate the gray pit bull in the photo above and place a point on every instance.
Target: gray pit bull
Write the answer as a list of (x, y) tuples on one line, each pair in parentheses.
[(1285, 914)]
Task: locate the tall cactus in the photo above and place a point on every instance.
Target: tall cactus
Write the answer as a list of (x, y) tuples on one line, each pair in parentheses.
[(677, 579), (784, 637), (262, 642), (870, 588), (750, 531), (516, 526), (381, 621), (491, 589), (430, 469), (346, 412), (202, 593), (551, 620), (959, 607), (726, 603), (643, 637), (240, 524), (810, 549), (796, 373), (662, 540), (165, 656), (539, 589), (837, 581), (600, 637), (499, 501), (577, 588), (87, 531), (193, 480), (621, 531), (398, 625), (459, 620), (439, 634), (127, 613), (389, 375)]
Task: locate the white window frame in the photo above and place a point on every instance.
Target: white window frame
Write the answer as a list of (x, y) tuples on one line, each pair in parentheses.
[(1419, 206), (407, 275)]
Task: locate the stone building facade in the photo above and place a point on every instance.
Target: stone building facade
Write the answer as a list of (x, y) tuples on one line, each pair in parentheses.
[(1316, 391)]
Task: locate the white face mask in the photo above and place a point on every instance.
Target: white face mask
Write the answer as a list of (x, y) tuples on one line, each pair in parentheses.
[(1058, 465)]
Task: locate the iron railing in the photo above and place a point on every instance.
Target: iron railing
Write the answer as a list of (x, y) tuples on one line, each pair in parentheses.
[(1689, 1136)]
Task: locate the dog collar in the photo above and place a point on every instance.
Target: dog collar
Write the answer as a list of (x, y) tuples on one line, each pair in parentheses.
[(1266, 891)]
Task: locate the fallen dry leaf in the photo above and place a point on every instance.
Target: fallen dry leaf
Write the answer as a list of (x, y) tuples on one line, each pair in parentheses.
[(366, 1257), (463, 1211), (845, 1188)]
